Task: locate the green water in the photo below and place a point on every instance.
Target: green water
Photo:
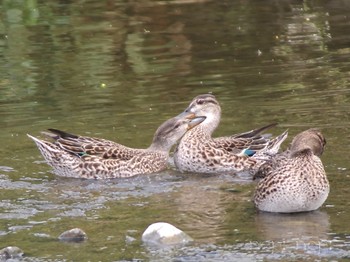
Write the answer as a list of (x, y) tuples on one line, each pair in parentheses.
[(117, 70)]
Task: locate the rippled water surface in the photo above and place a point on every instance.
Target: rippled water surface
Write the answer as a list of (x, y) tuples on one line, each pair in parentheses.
[(117, 70)]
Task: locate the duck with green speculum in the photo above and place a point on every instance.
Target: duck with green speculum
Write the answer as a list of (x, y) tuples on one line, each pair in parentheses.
[(95, 158), (295, 180), (199, 152)]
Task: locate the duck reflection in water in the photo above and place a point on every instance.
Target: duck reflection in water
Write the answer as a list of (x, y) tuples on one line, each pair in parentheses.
[(293, 230)]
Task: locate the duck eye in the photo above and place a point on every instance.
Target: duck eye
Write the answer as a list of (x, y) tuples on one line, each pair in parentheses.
[(200, 102)]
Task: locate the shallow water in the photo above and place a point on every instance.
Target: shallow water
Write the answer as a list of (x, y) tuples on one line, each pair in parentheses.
[(117, 70)]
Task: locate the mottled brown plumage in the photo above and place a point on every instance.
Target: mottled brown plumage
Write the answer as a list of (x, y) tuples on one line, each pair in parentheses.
[(294, 181), (199, 152), (95, 158)]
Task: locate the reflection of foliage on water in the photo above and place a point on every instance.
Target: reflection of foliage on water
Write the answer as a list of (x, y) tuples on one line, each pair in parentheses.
[(84, 55), (24, 12)]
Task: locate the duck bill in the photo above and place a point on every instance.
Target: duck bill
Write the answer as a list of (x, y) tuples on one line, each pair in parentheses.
[(196, 121), (186, 115)]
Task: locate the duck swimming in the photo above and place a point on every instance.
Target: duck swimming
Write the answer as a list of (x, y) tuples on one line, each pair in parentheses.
[(294, 181), (199, 152), (95, 158)]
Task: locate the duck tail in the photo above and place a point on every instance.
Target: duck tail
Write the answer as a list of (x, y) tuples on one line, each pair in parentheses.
[(51, 152), (56, 134), (274, 145), (255, 132)]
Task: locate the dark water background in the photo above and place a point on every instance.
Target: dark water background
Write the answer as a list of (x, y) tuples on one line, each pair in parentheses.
[(118, 69)]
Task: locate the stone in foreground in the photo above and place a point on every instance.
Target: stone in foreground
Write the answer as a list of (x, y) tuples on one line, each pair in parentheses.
[(73, 235), (165, 234), (11, 252)]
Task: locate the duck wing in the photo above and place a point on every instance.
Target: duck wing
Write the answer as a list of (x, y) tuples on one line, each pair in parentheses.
[(84, 145)]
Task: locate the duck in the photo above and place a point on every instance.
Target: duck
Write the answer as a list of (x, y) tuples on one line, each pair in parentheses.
[(197, 151), (295, 180), (94, 158)]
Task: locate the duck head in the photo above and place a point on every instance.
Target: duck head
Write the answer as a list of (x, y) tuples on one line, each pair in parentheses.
[(173, 129), (311, 139), (206, 106)]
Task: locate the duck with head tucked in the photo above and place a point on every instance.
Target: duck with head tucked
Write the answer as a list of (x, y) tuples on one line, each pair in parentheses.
[(94, 158), (294, 181), (199, 152)]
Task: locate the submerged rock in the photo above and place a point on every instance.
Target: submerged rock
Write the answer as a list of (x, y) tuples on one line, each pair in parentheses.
[(73, 235), (165, 234), (10, 253)]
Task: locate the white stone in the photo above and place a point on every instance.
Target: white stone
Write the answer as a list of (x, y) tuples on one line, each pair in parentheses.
[(11, 253), (162, 233)]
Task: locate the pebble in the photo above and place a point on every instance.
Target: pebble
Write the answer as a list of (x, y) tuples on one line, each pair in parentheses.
[(165, 234), (73, 235)]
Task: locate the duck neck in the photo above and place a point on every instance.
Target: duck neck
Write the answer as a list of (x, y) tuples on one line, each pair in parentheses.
[(159, 146), (210, 124), (198, 133)]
